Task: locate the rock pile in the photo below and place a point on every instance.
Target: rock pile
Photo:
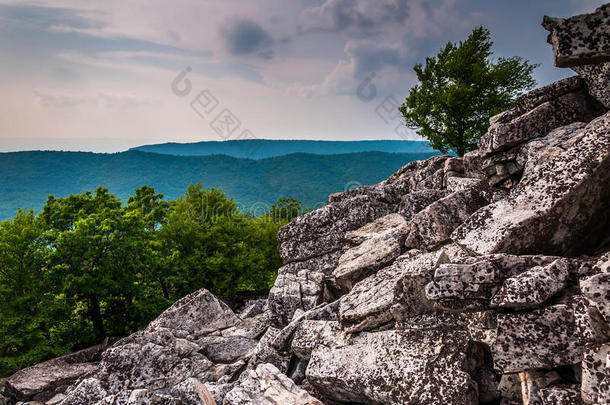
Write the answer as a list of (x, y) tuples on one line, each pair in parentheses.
[(475, 280)]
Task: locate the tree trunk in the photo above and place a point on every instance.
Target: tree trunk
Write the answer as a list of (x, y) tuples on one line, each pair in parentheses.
[(96, 317)]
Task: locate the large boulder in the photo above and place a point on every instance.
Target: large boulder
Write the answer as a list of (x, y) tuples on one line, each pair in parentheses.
[(394, 367), (542, 339), (432, 226), (560, 207), (380, 243), (195, 315), (580, 40), (266, 385), (43, 381)]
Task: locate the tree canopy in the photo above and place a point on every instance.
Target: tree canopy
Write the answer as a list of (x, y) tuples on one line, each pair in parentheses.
[(460, 89), (88, 266)]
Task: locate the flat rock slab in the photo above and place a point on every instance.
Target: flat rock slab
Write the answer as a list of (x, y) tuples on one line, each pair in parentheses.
[(580, 40), (560, 207), (372, 254), (39, 381), (394, 367), (433, 225), (542, 339), (196, 314), (266, 385), (533, 287)]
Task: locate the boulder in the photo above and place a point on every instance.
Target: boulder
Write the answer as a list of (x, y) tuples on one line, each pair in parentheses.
[(596, 77), (42, 381), (532, 288), (596, 374), (580, 40), (412, 203), (537, 114), (226, 349), (560, 207), (398, 367), (321, 232), (266, 385), (472, 284), (541, 339), (367, 305), (432, 226), (195, 315), (88, 391), (192, 392), (373, 253), (292, 292), (597, 290), (561, 395), (265, 353), (311, 335)]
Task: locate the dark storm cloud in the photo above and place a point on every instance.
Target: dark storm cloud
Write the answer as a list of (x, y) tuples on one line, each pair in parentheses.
[(243, 36), (370, 56), (359, 17)]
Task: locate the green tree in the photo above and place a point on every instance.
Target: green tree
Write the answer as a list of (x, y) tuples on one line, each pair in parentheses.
[(286, 209), (460, 89), (25, 305)]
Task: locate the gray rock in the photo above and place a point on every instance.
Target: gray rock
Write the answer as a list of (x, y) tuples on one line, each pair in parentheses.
[(544, 338), (416, 201), (196, 314), (41, 382), (532, 381), (561, 395), (266, 385), (395, 367), (560, 207), (311, 335), (596, 77), (597, 290), (88, 391), (563, 109), (226, 349), (192, 392), (376, 251), (532, 288), (320, 232), (300, 286), (596, 374), (473, 165), (471, 285), (433, 226), (253, 327), (323, 312), (264, 352), (580, 40)]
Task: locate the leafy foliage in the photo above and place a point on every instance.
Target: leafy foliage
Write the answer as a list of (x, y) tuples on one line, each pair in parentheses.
[(87, 266), (460, 89)]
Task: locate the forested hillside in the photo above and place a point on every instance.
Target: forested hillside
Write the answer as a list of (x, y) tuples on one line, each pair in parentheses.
[(264, 148), (28, 177)]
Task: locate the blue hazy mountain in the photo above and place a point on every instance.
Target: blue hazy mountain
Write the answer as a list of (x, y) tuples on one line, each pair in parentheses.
[(28, 177), (265, 148)]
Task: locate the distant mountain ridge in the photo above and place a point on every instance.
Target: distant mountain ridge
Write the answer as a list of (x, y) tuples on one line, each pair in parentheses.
[(28, 177), (265, 148)]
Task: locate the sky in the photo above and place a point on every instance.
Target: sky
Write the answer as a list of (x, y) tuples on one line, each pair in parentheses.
[(108, 75)]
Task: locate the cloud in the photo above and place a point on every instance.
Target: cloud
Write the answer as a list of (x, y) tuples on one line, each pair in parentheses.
[(100, 99), (368, 56), (358, 17), (244, 37)]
